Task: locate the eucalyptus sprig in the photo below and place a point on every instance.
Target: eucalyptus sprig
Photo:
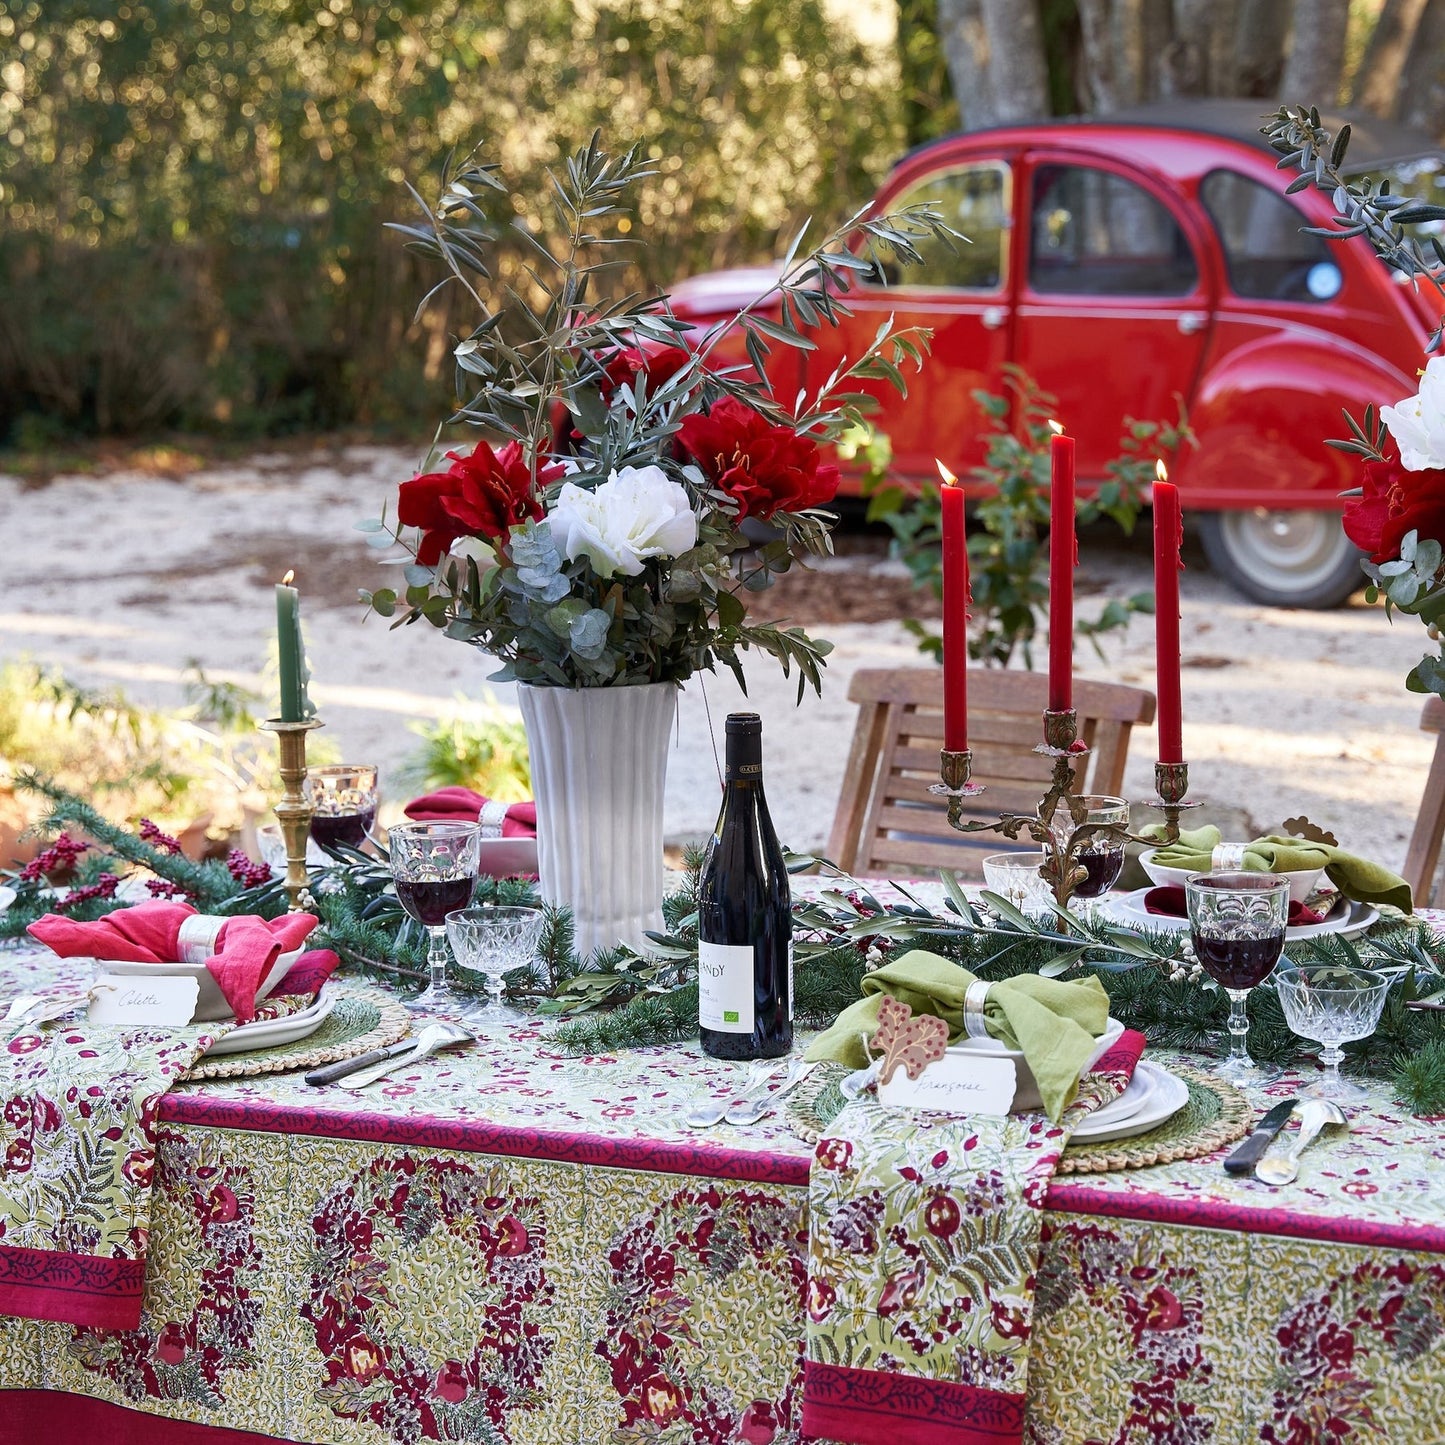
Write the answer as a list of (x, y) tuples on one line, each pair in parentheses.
[(1363, 207)]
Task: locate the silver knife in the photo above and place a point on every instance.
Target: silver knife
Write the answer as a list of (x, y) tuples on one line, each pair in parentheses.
[(1243, 1160), (331, 1072)]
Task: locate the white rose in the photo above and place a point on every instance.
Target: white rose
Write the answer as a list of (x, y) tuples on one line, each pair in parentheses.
[(637, 514), (1418, 422)]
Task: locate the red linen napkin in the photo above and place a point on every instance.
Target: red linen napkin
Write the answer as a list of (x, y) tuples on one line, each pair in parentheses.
[(1171, 902), (464, 805), (246, 946)]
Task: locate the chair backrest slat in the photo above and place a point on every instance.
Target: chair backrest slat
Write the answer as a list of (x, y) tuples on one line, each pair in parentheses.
[(1422, 857), (887, 821)]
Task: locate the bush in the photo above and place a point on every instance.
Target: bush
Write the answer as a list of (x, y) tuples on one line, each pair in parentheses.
[(192, 193)]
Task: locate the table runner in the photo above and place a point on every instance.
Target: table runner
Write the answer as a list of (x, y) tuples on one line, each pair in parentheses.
[(924, 1233), (78, 1110)]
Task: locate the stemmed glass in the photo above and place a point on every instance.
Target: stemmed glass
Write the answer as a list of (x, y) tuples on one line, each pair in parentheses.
[(1101, 855), (1238, 922), (343, 800), (435, 868), (494, 941), (1331, 1004)]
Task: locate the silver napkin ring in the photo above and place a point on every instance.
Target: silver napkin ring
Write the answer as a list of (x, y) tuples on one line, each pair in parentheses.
[(1228, 856), (196, 941), (492, 816), (974, 1024)]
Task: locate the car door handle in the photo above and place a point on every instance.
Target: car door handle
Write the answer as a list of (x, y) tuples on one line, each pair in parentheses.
[(993, 317), (1192, 321)]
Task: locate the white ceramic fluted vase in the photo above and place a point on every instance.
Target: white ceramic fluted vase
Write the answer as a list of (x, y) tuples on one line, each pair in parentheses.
[(599, 763)]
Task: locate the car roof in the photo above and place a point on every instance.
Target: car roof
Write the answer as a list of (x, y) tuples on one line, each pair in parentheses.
[(1374, 143)]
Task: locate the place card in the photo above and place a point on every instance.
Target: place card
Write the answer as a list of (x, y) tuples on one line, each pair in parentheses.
[(165, 1001), (958, 1083)]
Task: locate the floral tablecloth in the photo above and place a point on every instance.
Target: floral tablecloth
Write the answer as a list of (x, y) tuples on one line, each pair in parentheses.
[(511, 1247)]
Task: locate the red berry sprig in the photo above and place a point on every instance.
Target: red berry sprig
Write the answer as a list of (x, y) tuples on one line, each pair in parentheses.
[(60, 857)]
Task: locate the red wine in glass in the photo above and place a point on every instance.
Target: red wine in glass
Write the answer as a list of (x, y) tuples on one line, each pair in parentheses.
[(1103, 867), (1238, 962), (429, 900), (328, 829)]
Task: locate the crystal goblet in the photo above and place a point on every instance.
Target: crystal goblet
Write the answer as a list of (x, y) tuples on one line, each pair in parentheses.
[(1016, 878), (1100, 854), (1331, 1004), (1237, 921), (434, 866), (343, 801), (494, 941)]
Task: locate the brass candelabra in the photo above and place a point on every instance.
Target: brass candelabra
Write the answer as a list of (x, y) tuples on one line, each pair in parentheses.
[(293, 812), (1060, 868)]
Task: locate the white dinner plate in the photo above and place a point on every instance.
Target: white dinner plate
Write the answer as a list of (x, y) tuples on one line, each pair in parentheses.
[(271, 1033), (1346, 917), (1130, 1102), (1168, 1095)]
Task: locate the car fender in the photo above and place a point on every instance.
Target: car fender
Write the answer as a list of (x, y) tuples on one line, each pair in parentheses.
[(1262, 415)]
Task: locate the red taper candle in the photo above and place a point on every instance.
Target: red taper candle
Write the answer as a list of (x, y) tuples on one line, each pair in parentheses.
[(956, 601), (1063, 558), (1168, 539)]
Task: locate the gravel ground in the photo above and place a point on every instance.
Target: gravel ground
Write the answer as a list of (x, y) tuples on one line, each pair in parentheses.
[(122, 579)]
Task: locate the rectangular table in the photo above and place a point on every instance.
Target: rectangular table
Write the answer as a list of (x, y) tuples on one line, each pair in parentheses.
[(513, 1246)]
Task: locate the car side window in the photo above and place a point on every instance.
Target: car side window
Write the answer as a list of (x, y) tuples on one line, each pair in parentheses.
[(1265, 254), (1095, 233), (974, 200)]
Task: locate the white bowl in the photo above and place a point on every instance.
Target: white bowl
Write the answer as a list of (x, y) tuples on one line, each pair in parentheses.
[(210, 1001), (1301, 883), (1026, 1092)]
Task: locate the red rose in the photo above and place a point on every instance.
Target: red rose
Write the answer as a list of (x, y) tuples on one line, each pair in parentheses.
[(661, 1400), (363, 1360), (485, 494), (628, 364), (1395, 501), (764, 467)]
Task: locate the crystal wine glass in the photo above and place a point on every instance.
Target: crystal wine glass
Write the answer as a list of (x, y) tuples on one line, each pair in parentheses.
[(1015, 877), (494, 941), (435, 869), (1101, 854), (1238, 921), (1331, 1004), (343, 800)]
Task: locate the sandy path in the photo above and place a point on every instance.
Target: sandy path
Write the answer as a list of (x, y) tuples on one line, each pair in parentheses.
[(123, 579)]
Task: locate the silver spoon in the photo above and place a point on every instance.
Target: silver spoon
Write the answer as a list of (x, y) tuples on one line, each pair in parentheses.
[(713, 1111), (748, 1111), (440, 1034), (1314, 1115)]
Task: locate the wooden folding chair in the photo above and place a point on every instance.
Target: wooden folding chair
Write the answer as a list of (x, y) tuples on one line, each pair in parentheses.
[(887, 821), (1422, 858)]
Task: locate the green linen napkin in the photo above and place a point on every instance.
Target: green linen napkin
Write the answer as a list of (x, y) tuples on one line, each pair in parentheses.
[(1055, 1025), (1354, 876)]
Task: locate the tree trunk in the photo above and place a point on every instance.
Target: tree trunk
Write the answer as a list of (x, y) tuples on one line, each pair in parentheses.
[(1259, 41), (1313, 71), (1116, 53), (1384, 62), (1422, 88), (1016, 47), (966, 50)]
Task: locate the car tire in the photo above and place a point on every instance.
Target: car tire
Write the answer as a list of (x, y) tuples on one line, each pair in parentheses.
[(1284, 559)]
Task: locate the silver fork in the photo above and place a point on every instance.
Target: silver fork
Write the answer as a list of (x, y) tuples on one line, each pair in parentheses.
[(749, 1111), (705, 1115)]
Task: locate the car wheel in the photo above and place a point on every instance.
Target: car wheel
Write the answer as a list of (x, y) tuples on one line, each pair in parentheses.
[(1286, 559)]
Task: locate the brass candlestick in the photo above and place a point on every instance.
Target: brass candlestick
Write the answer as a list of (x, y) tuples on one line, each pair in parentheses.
[(1061, 743), (293, 812)]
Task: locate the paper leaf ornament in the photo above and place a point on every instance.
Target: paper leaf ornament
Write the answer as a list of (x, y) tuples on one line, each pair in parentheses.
[(1301, 827), (907, 1042)]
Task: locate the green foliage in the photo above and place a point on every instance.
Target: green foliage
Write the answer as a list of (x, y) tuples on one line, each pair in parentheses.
[(192, 192), (478, 745), (1007, 551)]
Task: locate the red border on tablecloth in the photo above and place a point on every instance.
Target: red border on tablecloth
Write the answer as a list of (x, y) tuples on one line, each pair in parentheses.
[(870, 1407), (78, 1289), (30, 1415)]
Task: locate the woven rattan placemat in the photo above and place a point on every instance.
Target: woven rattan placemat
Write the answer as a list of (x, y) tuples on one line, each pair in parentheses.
[(361, 1019), (1216, 1114)]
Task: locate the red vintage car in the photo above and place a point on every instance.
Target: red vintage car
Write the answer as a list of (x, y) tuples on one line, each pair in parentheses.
[(1128, 261)]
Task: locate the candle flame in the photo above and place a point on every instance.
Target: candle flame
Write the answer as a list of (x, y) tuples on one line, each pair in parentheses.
[(286, 580), (1161, 471), (1057, 427), (949, 480)]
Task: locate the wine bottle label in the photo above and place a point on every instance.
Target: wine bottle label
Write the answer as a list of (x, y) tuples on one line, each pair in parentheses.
[(725, 987)]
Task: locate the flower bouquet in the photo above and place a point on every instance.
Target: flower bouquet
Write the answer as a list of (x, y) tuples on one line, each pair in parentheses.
[(636, 479)]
